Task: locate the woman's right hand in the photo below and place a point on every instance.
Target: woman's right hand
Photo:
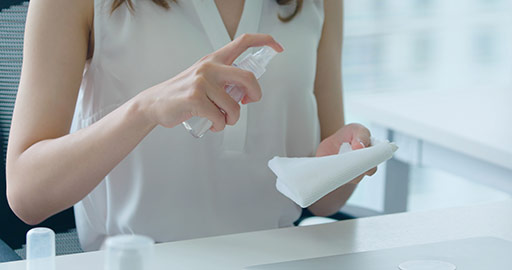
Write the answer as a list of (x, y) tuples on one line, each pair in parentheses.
[(199, 90)]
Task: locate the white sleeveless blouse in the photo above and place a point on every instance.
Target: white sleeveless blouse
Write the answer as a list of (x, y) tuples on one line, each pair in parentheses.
[(173, 186)]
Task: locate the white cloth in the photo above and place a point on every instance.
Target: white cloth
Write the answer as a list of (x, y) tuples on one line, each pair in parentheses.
[(306, 180), (173, 186)]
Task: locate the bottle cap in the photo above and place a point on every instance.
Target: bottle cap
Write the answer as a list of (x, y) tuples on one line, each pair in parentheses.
[(40, 243), (41, 249)]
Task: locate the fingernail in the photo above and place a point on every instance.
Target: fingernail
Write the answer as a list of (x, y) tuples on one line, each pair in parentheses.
[(361, 143), (280, 45)]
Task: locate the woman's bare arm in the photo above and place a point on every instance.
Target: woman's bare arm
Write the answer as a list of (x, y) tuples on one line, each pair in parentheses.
[(328, 93), (47, 169), (328, 90)]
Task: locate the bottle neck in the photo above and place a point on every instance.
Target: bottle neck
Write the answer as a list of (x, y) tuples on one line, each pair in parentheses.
[(249, 64)]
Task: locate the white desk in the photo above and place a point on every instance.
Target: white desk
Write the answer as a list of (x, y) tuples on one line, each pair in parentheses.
[(239, 250), (466, 132)]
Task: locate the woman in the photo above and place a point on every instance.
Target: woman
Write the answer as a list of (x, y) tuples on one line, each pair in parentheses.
[(108, 139)]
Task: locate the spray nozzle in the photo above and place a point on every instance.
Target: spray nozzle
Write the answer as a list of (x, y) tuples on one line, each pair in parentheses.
[(264, 55)]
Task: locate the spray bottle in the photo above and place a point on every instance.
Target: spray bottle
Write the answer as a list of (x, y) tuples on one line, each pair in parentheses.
[(255, 63)]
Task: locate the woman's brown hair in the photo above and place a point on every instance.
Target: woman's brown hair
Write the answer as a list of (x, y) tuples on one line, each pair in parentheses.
[(165, 4)]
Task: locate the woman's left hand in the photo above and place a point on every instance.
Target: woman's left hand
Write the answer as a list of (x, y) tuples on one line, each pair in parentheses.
[(356, 134)]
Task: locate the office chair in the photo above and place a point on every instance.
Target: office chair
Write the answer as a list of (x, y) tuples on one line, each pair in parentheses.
[(12, 229)]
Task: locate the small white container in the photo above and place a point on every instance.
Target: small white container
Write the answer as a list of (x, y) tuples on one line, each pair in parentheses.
[(129, 252), (40, 249)]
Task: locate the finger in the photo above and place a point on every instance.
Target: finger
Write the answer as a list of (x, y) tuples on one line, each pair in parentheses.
[(243, 79), (371, 171), (224, 102), (327, 147), (235, 48), (209, 110), (358, 143), (361, 138), (357, 180)]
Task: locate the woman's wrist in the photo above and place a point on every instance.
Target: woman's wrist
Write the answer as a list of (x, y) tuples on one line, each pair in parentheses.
[(139, 111)]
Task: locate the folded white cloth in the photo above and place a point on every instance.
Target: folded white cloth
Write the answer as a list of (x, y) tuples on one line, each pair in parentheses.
[(307, 179)]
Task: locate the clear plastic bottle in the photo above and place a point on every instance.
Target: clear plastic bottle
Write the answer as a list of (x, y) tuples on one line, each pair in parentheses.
[(256, 63)]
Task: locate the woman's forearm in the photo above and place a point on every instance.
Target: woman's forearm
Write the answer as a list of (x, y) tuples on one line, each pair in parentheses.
[(332, 202), (53, 174)]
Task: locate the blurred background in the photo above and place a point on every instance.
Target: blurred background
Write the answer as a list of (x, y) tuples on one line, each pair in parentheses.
[(432, 74), (414, 44)]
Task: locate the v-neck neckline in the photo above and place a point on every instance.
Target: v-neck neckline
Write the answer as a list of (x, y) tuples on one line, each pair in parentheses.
[(238, 21), (234, 137), (214, 26)]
